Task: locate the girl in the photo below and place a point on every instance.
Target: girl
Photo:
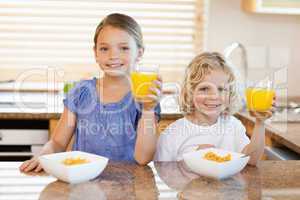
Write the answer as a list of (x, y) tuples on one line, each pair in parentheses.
[(207, 100), (101, 112)]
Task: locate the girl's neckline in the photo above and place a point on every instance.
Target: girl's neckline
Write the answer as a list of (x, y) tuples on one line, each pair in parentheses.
[(120, 102)]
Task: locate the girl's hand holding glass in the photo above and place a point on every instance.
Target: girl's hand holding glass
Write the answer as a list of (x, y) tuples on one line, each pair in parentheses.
[(150, 100), (146, 86)]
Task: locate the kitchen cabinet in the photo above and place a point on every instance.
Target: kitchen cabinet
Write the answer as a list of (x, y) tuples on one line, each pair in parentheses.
[(21, 139), (291, 7)]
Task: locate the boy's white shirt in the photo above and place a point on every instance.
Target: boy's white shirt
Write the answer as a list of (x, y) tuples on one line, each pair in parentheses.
[(183, 136)]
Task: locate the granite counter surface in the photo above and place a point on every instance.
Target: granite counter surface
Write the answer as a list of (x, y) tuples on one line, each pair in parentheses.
[(285, 133), (159, 180)]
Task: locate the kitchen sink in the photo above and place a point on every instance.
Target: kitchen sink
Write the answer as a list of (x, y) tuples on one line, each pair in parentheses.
[(286, 115)]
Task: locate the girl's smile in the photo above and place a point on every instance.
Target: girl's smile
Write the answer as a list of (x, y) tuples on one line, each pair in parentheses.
[(114, 65), (116, 51)]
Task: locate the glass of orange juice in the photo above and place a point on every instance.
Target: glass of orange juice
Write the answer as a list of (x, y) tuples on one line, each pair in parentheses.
[(260, 97), (142, 80)]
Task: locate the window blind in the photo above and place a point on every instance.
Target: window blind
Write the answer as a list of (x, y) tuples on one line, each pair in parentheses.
[(59, 33)]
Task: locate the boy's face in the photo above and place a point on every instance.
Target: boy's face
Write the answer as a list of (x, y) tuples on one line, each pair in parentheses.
[(116, 51), (211, 95)]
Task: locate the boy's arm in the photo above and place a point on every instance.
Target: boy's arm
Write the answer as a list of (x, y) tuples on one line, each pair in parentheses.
[(257, 144)]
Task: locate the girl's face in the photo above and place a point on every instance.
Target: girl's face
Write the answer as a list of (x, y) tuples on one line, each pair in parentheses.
[(116, 51), (211, 95)]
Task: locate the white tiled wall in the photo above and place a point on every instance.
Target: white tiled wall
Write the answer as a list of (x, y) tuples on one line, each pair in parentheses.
[(257, 57), (279, 57)]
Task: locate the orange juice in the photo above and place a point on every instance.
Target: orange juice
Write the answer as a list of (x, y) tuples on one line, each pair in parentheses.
[(141, 82), (259, 99)]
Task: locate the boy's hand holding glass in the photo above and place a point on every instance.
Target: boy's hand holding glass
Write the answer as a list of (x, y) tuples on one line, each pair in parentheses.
[(146, 86), (261, 101), (263, 115)]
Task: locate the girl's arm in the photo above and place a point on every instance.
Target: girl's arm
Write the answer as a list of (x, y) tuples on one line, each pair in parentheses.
[(61, 138), (147, 126), (146, 138)]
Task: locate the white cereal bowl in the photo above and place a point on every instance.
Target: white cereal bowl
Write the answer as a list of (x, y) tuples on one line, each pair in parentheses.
[(52, 164), (196, 163)]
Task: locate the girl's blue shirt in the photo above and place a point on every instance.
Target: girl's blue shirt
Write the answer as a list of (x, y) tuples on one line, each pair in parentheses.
[(105, 129)]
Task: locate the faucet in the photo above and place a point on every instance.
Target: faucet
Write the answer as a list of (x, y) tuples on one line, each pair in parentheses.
[(229, 50)]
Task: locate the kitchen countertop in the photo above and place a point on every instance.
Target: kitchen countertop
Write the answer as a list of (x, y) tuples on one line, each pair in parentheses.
[(30, 105), (48, 105), (159, 180), (285, 133)]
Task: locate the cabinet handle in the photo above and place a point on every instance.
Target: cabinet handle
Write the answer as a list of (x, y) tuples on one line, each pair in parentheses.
[(1, 136)]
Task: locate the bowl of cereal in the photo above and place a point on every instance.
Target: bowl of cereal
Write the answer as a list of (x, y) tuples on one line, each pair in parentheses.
[(215, 163), (73, 166)]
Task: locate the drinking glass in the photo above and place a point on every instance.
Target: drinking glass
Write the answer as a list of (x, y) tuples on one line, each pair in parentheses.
[(142, 79), (259, 97)]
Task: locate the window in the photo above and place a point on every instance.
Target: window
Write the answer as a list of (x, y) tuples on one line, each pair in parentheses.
[(59, 33), (291, 7)]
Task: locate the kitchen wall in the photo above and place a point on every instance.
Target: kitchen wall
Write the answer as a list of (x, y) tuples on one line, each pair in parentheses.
[(272, 41)]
